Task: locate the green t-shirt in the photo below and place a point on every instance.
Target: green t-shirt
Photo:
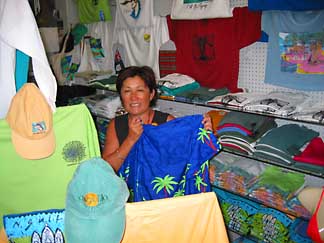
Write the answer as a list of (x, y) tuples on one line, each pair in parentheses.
[(31, 185), (91, 11)]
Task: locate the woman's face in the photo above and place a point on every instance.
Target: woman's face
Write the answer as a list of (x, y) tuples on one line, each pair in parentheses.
[(136, 95)]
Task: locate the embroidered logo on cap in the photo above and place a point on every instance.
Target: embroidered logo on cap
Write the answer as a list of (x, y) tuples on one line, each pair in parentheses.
[(38, 127), (91, 199)]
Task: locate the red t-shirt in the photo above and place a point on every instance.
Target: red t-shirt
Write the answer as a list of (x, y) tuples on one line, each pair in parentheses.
[(208, 49)]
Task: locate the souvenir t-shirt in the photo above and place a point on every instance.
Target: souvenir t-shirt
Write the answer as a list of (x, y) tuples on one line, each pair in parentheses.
[(200, 9), (91, 11), (208, 50), (285, 5), (142, 44), (134, 13), (101, 44), (295, 57), (29, 185)]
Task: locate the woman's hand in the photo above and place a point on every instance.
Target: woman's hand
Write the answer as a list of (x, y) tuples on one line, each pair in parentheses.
[(135, 128), (207, 123)]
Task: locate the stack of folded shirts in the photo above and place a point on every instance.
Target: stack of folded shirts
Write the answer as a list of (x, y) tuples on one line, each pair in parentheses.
[(312, 156), (279, 103), (239, 131), (106, 83), (108, 106), (175, 83), (235, 100), (275, 186), (309, 112), (292, 138), (233, 173), (200, 95)]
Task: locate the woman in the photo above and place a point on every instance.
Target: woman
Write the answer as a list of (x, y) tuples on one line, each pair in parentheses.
[(137, 89)]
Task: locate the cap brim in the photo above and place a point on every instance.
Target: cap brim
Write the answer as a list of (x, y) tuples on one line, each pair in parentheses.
[(34, 148), (103, 229)]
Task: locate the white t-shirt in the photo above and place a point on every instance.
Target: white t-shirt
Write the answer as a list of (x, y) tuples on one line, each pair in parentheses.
[(17, 21), (201, 9), (133, 13), (142, 44)]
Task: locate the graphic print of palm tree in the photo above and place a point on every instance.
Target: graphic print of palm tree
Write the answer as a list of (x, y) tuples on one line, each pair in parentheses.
[(204, 136), (165, 184), (124, 175), (182, 184), (199, 182), (204, 166)]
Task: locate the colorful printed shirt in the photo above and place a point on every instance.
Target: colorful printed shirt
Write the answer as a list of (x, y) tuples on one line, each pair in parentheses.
[(170, 160)]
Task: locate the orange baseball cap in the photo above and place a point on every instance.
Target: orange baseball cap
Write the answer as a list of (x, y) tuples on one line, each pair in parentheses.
[(31, 121)]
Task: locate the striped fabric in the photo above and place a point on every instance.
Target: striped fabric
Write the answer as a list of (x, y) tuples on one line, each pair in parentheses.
[(167, 62)]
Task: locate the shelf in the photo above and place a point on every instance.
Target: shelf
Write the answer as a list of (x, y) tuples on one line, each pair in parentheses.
[(319, 173), (239, 109), (288, 212), (225, 107)]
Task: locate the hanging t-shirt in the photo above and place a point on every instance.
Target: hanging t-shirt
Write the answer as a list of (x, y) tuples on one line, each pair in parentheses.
[(91, 11), (30, 185), (299, 5), (142, 44), (200, 9), (295, 57), (170, 160), (17, 20), (102, 32), (134, 13), (208, 50)]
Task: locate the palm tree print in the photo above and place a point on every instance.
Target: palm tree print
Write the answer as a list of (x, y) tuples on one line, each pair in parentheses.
[(125, 174), (204, 166), (183, 181), (165, 184), (199, 181), (204, 136), (179, 193)]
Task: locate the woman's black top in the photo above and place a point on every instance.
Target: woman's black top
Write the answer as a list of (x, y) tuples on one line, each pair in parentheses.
[(121, 124)]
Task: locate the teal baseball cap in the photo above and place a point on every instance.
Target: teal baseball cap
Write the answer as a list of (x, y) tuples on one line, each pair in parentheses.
[(95, 204)]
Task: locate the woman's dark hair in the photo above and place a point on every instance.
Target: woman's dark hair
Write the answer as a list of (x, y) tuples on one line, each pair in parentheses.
[(145, 72)]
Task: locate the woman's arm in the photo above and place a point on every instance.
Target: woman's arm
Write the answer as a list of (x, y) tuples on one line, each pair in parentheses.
[(113, 152)]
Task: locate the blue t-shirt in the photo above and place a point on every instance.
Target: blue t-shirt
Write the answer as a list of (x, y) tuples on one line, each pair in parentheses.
[(296, 5), (295, 57)]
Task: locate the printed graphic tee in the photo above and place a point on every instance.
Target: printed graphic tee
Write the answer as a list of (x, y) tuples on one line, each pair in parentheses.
[(92, 11), (295, 57), (42, 183), (208, 49), (294, 5)]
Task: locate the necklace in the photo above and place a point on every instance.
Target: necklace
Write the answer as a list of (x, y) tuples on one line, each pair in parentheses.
[(149, 117)]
